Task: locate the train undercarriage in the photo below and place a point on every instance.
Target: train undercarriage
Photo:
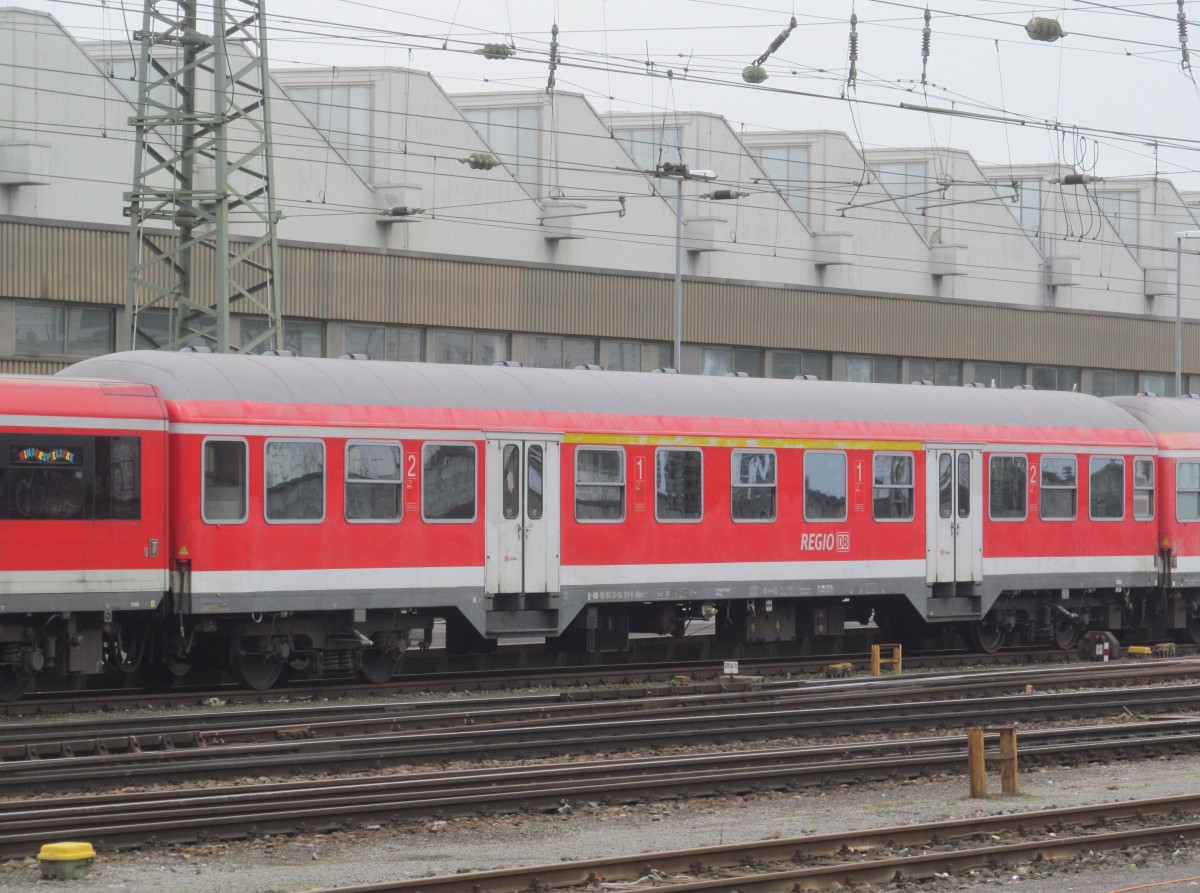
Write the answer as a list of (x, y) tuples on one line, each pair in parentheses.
[(259, 651)]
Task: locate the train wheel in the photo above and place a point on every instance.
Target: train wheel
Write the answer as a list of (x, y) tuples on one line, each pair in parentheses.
[(1067, 635), (12, 683), (377, 666), (256, 670), (987, 637)]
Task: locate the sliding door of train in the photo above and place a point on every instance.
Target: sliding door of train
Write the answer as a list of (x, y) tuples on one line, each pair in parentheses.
[(522, 511), (954, 514)]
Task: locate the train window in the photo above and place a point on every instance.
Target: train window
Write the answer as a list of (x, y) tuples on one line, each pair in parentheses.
[(824, 486), (1187, 491), (1143, 489), (533, 482), (511, 469), (892, 487), (964, 485), (678, 485), (1107, 485), (1007, 488), (1060, 488), (225, 481), (373, 481), (753, 485), (294, 477), (599, 484), (56, 477), (448, 482), (945, 484)]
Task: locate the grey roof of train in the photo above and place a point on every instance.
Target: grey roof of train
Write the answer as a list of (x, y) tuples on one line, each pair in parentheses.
[(203, 376), (1163, 415)]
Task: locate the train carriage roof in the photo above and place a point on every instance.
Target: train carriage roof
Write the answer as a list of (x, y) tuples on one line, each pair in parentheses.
[(1174, 421), (484, 396)]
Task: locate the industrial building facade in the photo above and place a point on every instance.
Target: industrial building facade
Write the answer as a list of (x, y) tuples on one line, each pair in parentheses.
[(800, 255)]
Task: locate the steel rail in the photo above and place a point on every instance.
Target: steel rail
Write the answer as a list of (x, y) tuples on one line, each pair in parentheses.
[(134, 819)]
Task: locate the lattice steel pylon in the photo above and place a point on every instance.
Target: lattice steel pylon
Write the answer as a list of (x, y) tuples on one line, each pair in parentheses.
[(203, 163)]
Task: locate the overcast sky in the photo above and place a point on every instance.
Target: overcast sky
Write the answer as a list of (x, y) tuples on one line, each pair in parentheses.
[(1116, 76)]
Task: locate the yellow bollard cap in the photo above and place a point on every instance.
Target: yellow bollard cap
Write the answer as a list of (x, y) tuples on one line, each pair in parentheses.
[(67, 851)]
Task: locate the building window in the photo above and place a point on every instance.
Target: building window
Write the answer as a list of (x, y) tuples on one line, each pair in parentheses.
[(878, 369), (1055, 378), (1059, 488), (892, 486), (226, 473), (1121, 209), (469, 348), (678, 485), (1109, 383), (723, 360), (374, 480), (1002, 375), (1143, 489), (824, 486), (294, 475), (753, 485), (342, 114), (303, 337), (1187, 491), (384, 342), (1107, 488), (636, 356), (448, 482), (1007, 488), (512, 134), (1158, 383), (650, 146), (787, 168), (940, 372), (905, 182), (599, 484), (153, 329), (1025, 202), (56, 330), (790, 363), (552, 352)]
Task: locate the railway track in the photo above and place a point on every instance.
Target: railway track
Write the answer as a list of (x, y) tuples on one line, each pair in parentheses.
[(147, 818), (317, 739), (821, 861), (505, 676)]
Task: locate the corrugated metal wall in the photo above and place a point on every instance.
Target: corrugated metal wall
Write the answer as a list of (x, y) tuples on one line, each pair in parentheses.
[(71, 263)]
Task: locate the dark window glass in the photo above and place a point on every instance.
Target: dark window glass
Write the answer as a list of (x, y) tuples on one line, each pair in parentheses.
[(824, 486), (511, 483), (118, 478), (964, 485), (945, 485), (225, 485), (1007, 487), (448, 482), (533, 482), (373, 481), (678, 485), (1059, 488), (599, 484), (294, 472), (753, 490), (55, 477), (892, 487), (1107, 486)]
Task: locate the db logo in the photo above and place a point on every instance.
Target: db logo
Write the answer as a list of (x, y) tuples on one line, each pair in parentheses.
[(825, 542)]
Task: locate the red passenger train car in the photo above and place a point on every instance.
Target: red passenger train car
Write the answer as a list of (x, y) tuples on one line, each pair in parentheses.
[(318, 516)]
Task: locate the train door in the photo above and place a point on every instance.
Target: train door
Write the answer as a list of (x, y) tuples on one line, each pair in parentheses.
[(954, 517), (522, 512)]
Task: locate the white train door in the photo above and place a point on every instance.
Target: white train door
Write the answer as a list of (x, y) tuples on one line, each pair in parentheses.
[(954, 514), (522, 514)]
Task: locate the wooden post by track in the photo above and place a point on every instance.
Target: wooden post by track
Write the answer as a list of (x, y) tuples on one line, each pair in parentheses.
[(1006, 756), (896, 660)]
